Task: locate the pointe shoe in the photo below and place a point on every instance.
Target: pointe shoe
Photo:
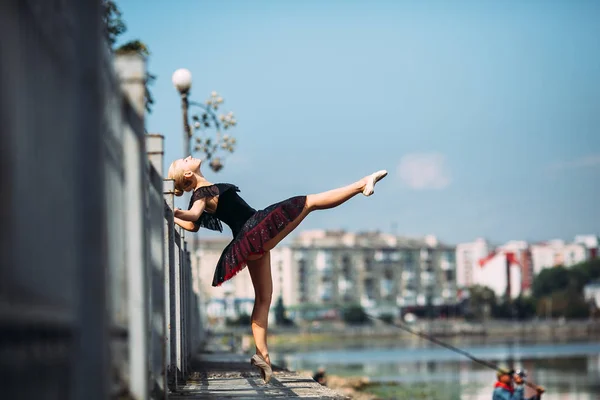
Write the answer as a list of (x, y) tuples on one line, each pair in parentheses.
[(372, 180), (265, 369)]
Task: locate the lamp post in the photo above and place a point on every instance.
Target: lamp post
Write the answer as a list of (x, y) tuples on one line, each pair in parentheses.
[(207, 118), (182, 79)]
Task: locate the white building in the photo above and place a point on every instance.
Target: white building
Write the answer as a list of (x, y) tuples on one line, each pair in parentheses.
[(591, 292), (556, 252), (467, 260), (479, 263), (591, 242), (522, 252), (530, 258), (492, 272)]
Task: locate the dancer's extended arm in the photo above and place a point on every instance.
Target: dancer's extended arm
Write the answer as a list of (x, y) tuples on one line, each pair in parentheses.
[(193, 213), (187, 225)]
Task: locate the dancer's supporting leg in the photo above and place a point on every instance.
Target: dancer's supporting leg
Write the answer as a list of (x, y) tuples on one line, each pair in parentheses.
[(326, 200), (260, 273)]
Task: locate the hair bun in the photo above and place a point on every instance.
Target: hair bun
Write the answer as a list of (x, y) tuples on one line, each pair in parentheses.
[(178, 192)]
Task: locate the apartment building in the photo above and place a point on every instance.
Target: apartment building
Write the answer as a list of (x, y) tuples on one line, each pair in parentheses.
[(380, 271), (556, 252), (236, 296), (521, 254), (501, 272), (591, 243), (497, 267), (467, 260), (479, 263)]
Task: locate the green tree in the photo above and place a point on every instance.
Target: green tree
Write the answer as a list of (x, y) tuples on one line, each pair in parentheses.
[(388, 318), (482, 303), (503, 310), (550, 280), (524, 307), (584, 273), (354, 314), (115, 27), (242, 320), (566, 303), (281, 318), (113, 23), (558, 291)]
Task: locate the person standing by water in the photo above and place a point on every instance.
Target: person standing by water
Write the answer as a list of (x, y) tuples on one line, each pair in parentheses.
[(504, 389), (255, 233), (321, 376)]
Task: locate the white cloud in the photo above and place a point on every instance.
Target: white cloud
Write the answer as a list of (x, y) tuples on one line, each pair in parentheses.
[(582, 162), (422, 171)]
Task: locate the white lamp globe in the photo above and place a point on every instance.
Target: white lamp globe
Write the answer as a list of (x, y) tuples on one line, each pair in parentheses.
[(182, 79)]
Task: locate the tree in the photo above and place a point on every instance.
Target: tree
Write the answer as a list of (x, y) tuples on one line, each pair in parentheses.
[(524, 307), (355, 315), (558, 291), (566, 303), (388, 318), (584, 273), (550, 280), (482, 302), (281, 318), (243, 319), (115, 27)]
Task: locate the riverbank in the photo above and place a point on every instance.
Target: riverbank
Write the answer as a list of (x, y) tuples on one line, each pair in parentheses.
[(356, 388), (362, 388), (425, 371), (338, 334)]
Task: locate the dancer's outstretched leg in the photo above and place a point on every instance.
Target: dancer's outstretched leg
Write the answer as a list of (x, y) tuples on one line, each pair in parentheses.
[(329, 199), (260, 273)]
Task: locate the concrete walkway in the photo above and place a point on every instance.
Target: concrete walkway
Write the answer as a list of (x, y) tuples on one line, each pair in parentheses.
[(223, 375)]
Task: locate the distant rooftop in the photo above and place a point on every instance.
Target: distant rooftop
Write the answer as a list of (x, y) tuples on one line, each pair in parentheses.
[(340, 238)]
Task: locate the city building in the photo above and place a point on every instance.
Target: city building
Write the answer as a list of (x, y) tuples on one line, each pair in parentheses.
[(467, 260), (501, 272), (592, 244), (591, 293), (556, 252), (522, 253), (236, 296), (381, 272), (479, 263)]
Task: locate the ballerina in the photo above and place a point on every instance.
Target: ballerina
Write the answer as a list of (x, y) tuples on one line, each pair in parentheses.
[(255, 233)]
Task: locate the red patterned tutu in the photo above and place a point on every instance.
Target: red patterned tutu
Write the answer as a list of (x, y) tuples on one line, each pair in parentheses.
[(261, 227)]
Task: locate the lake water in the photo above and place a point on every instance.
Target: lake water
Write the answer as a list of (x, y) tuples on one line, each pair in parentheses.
[(566, 370)]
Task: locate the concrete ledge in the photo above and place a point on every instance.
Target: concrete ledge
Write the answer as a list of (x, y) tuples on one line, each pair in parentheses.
[(223, 375)]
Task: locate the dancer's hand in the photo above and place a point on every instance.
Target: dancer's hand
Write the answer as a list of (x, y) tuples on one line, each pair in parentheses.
[(540, 389)]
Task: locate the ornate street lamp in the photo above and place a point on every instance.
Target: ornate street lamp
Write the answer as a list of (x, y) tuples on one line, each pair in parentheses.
[(207, 118)]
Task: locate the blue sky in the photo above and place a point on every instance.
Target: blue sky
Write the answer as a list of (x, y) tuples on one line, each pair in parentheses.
[(485, 113)]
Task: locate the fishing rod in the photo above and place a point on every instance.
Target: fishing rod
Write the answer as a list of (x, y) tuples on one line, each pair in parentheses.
[(449, 347)]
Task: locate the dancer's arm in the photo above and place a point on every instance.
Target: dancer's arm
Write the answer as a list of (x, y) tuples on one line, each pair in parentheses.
[(187, 225), (193, 213)]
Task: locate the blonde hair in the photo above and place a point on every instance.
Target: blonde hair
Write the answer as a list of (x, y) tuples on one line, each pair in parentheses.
[(180, 182)]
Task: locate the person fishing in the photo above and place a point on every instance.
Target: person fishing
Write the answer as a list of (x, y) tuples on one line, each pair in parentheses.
[(255, 233), (503, 389), (511, 386)]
